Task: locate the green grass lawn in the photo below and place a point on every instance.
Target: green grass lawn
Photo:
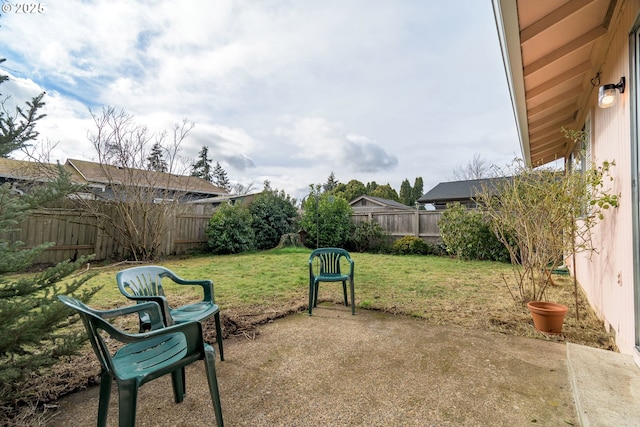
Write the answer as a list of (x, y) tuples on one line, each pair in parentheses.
[(255, 287), (259, 287)]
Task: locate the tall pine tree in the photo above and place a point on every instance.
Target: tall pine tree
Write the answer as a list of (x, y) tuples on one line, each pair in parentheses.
[(156, 161), (331, 183), (33, 323), (406, 193), (220, 178), (202, 167), (418, 189)]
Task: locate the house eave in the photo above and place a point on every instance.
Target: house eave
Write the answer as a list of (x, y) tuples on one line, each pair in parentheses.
[(508, 28)]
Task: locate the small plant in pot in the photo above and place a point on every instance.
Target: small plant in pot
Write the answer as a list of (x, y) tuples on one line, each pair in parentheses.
[(543, 215)]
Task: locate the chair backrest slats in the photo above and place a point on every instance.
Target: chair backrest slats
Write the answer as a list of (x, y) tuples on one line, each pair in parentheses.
[(326, 261), (147, 282)]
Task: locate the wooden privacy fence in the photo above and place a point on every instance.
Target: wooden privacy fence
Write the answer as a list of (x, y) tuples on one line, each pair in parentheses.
[(76, 233), (423, 224)]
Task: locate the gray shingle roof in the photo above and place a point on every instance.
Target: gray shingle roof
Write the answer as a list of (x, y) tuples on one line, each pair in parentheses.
[(381, 202), (459, 190), (108, 174)]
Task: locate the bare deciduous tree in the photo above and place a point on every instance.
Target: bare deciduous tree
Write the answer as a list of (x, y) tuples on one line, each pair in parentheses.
[(139, 204), (477, 168)]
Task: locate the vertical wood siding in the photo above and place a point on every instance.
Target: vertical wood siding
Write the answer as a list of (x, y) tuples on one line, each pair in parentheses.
[(607, 277)]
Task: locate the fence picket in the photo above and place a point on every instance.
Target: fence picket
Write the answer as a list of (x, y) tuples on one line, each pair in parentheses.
[(76, 233)]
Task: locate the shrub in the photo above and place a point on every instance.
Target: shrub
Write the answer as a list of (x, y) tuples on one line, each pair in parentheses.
[(274, 215), (369, 236), (230, 231), (411, 245), (326, 219), (467, 235)]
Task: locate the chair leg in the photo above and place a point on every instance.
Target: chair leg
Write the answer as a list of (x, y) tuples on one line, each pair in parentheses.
[(312, 287), (105, 395), (219, 334), (127, 400), (315, 294), (179, 385), (210, 366), (353, 297), (344, 291)]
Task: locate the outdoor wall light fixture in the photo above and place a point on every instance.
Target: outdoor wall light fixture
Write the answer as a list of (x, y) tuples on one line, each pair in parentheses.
[(607, 93)]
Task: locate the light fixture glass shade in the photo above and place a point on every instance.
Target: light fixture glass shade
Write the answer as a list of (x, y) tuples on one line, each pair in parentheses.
[(607, 96)]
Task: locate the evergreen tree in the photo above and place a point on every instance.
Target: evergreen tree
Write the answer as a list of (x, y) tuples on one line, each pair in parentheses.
[(18, 129), (351, 190), (156, 161), (371, 187), (406, 193), (33, 324), (418, 189), (386, 192), (220, 178), (331, 183), (202, 168)]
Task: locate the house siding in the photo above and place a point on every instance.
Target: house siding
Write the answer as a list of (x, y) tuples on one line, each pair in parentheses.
[(607, 277)]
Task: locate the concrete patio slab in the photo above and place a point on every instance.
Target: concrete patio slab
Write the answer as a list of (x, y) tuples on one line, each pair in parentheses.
[(370, 369)]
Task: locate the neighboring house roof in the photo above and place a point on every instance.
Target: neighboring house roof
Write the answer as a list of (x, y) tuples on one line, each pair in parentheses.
[(370, 202), (96, 173), (23, 170), (244, 199), (459, 191)]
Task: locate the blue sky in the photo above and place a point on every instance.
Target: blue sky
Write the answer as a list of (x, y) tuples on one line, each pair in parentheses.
[(284, 90)]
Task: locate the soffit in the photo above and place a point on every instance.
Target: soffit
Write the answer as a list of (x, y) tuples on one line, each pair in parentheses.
[(562, 46)]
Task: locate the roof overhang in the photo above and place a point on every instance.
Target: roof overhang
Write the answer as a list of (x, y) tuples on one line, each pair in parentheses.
[(552, 51)]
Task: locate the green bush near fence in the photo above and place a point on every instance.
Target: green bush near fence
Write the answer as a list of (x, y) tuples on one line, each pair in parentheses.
[(468, 235), (230, 230), (369, 236)]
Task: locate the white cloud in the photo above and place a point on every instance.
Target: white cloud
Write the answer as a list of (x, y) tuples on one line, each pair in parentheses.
[(372, 90)]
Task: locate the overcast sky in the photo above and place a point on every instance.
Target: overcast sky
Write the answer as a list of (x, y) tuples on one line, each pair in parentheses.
[(284, 90)]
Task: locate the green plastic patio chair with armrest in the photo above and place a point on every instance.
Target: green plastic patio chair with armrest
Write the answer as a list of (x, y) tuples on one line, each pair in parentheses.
[(144, 283), (143, 357), (324, 266)]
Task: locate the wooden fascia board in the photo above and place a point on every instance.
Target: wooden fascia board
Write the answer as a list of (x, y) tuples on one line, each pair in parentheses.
[(505, 13)]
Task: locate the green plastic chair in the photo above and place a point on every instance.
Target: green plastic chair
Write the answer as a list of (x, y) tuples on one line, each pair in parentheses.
[(144, 283), (144, 357), (324, 266)]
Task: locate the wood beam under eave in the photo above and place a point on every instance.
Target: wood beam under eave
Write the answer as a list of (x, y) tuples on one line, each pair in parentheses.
[(563, 99), (555, 122), (547, 141), (558, 116), (571, 74), (546, 131), (548, 155), (562, 51), (552, 19)]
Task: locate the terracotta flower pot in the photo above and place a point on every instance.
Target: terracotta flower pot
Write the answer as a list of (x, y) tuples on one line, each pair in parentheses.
[(547, 316)]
